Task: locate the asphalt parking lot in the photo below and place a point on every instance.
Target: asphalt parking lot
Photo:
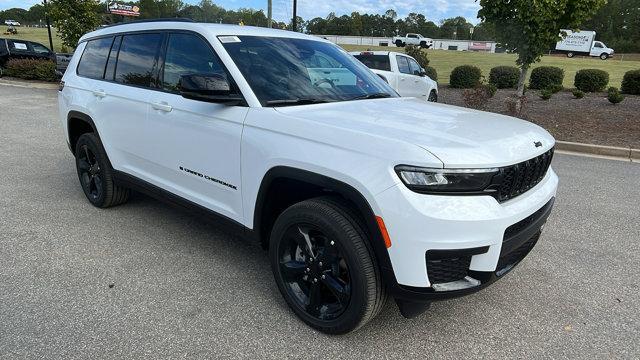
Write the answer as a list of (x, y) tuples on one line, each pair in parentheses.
[(147, 280)]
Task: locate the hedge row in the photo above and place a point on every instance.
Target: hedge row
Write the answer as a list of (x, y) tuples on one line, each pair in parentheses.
[(32, 69)]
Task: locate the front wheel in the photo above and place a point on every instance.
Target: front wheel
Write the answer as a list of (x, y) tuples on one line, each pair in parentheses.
[(323, 267), (604, 56), (433, 96)]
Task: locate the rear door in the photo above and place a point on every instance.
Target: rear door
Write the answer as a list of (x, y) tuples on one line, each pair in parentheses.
[(193, 147)]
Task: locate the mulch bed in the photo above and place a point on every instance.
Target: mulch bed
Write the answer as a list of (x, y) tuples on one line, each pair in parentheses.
[(591, 120)]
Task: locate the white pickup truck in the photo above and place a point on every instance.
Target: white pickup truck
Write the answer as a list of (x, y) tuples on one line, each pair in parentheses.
[(413, 39), (402, 72), (583, 43)]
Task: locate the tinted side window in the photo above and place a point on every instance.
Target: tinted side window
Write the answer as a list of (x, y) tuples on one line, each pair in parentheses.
[(138, 58), (94, 58), (40, 49), (188, 54), (18, 46), (113, 56), (414, 67), (379, 62), (403, 64)]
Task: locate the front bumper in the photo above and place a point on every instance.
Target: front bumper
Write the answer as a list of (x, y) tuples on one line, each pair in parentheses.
[(438, 239)]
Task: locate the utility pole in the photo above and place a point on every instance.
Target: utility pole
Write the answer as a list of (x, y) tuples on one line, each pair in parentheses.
[(269, 21), (295, 16), (46, 17)]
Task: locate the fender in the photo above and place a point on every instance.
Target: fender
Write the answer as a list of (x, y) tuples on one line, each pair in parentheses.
[(348, 192), (80, 116)]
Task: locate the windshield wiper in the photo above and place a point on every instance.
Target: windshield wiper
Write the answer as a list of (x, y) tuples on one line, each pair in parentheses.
[(378, 95), (296, 101)]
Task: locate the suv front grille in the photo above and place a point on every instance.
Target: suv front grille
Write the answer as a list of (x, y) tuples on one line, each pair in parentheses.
[(517, 179)]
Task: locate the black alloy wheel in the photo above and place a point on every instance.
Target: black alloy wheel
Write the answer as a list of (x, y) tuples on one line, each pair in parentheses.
[(96, 175), (324, 267), (89, 173), (315, 273), (433, 96)]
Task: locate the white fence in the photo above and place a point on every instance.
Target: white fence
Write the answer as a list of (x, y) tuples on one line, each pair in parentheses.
[(439, 44)]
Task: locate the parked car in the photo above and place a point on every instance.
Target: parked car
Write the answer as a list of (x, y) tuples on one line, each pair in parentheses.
[(402, 72), (413, 39), (11, 23), (22, 49), (358, 194), (583, 43)]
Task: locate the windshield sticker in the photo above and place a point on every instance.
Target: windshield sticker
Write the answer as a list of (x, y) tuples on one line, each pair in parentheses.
[(20, 46), (229, 39)]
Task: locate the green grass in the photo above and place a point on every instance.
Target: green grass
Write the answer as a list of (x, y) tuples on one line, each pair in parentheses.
[(38, 35), (444, 61)]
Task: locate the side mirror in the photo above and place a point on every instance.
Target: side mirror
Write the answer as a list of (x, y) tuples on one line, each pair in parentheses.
[(214, 88), (423, 72)]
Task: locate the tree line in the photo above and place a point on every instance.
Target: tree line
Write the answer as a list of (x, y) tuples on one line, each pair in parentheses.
[(617, 23)]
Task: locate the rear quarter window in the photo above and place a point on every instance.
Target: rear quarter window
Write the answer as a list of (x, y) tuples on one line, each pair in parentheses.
[(94, 58), (378, 62)]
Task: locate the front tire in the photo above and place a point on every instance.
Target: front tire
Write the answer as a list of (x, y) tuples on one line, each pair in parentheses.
[(433, 96), (604, 56), (96, 175), (323, 267)]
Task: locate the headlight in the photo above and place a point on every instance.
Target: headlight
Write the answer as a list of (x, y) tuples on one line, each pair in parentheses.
[(439, 181)]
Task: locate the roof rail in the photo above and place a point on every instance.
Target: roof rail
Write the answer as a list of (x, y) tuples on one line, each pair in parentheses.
[(149, 21)]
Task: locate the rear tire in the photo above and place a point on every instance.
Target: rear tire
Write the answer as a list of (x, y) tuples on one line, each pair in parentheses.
[(336, 286), (433, 96), (96, 175), (570, 55), (399, 43)]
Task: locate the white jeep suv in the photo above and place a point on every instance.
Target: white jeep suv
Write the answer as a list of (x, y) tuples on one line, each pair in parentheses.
[(358, 194)]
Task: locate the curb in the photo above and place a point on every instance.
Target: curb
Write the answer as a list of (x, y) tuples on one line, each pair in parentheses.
[(624, 153), (28, 84)]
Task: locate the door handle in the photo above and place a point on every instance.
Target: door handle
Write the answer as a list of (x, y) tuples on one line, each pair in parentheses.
[(99, 93), (162, 106)]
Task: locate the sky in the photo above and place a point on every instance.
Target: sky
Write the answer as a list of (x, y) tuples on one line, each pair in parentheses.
[(434, 10)]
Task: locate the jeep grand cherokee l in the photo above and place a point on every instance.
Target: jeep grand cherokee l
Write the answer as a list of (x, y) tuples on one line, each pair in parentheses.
[(358, 194)]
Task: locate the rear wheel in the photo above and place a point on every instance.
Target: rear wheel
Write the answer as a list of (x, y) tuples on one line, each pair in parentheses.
[(95, 173), (324, 268), (399, 43), (433, 96), (570, 54)]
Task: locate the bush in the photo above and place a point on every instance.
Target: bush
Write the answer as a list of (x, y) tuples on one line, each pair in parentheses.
[(546, 94), (465, 77), (431, 72), (479, 96), (544, 77), (417, 53), (504, 77), (579, 94), (614, 95), (591, 80), (32, 69), (631, 82), (555, 88)]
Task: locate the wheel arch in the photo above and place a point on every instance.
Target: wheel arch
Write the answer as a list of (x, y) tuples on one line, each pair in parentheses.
[(316, 185), (79, 123)]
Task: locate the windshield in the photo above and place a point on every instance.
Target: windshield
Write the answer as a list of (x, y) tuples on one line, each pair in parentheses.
[(285, 71)]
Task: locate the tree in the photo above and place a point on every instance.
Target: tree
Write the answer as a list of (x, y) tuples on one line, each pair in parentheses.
[(529, 27), (74, 18)]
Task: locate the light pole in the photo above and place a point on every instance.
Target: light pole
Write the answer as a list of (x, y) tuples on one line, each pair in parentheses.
[(46, 17), (269, 15), (295, 16)]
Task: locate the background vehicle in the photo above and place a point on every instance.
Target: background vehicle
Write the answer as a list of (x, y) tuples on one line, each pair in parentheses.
[(22, 49), (583, 43), (11, 23), (413, 39), (266, 131), (402, 72)]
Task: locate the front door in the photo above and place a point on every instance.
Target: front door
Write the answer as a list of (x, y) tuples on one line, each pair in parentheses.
[(195, 152)]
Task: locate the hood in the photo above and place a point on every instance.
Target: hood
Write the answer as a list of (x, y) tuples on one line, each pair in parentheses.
[(459, 137)]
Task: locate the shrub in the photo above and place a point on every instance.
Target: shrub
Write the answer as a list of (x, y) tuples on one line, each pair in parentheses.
[(479, 96), (544, 77), (417, 53), (555, 88), (465, 77), (431, 72), (591, 80), (32, 69), (614, 95), (504, 77), (546, 94), (631, 82), (579, 94)]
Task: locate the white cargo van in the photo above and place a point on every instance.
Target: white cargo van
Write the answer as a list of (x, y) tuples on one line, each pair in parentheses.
[(582, 43)]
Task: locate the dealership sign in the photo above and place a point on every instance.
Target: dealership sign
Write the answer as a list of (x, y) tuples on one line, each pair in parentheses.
[(123, 9)]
